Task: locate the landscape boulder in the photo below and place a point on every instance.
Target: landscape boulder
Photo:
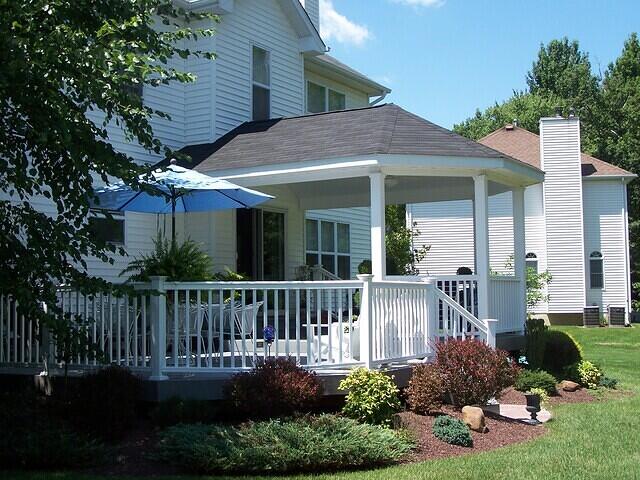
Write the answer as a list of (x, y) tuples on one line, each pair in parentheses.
[(569, 386), (474, 418)]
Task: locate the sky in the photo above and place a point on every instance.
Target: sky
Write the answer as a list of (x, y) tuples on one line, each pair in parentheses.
[(443, 59)]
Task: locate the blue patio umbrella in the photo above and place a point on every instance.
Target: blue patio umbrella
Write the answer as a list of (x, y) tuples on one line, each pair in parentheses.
[(177, 189)]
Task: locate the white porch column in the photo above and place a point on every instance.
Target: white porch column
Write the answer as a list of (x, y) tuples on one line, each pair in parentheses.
[(519, 249), (481, 214), (377, 203)]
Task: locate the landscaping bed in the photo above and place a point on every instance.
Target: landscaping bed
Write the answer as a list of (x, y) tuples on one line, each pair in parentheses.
[(501, 433)]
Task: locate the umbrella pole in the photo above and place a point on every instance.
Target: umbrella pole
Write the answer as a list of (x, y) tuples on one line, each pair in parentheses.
[(173, 220)]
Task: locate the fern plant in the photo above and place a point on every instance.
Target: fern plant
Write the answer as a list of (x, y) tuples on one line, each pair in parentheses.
[(179, 262)]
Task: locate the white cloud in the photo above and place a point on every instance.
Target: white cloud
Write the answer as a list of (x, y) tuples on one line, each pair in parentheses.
[(421, 3), (335, 26)]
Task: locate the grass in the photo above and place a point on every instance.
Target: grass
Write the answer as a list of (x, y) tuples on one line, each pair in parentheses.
[(595, 440)]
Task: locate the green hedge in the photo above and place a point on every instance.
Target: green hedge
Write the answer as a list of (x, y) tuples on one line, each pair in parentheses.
[(453, 431), (528, 379), (305, 444)]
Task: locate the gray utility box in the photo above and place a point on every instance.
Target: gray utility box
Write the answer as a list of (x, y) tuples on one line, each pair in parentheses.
[(616, 316), (591, 316)]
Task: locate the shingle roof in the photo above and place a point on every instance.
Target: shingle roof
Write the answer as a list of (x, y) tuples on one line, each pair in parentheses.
[(524, 145), (384, 129)]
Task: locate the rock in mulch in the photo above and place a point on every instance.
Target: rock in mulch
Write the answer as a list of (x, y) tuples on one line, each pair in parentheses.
[(474, 418), (569, 386)]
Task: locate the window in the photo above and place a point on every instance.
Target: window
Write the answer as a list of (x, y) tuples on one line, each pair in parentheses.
[(323, 99), (329, 244), (531, 262), (110, 230), (261, 84), (596, 270)]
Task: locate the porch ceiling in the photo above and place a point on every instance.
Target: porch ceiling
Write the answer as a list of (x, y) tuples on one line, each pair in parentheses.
[(355, 192)]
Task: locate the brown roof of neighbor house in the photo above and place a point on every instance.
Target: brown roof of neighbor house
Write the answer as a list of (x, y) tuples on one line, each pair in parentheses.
[(384, 129), (525, 146)]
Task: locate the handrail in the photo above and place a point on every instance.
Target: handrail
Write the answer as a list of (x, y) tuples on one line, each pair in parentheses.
[(254, 285), (324, 273), (461, 311)]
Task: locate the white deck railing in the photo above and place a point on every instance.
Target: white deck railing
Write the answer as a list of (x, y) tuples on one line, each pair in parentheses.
[(504, 292), (229, 326)]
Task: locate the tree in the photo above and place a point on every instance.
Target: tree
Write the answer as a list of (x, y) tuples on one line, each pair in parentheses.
[(619, 136), (525, 108), (401, 254), (63, 60)]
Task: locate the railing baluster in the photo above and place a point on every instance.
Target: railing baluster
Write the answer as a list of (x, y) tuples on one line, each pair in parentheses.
[(286, 321), (2, 328), (276, 320), (232, 321), (351, 332), (309, 339), (298, 325), (187, 328), (198, 327), (254, 325), (221, 327), (175, 345), (143, 329), (243, 303), (329, 327), (136, 315), (340, 326), (210, 328)]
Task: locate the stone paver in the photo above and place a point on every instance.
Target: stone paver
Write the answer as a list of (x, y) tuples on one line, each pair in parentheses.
[(516, 412)]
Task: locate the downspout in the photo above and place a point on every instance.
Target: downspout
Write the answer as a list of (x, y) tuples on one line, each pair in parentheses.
[(379, 99), (627, 261)]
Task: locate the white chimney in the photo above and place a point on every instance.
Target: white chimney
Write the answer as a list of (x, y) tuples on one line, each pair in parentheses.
[(560, 159), (313, 10)]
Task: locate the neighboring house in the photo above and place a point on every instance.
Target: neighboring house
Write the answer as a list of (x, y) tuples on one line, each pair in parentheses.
[(576, 222)]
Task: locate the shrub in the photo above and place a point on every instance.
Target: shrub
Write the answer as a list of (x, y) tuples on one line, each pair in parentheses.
[(536, 339), (425, 390), (275, 387), (529, 379), (608, 382), (104, 402), (561, 351), (588, 374), (544, 396), (32, 438), (372, 396), (473, 372), (176, 410), (453, 431), (308, 444)]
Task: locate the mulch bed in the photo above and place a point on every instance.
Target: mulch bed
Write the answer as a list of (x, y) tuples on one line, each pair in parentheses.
[(134, 455), (502, 432)]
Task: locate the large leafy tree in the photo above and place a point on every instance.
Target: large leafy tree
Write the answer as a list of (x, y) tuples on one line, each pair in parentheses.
[(618, 138), (61, 60), (609, 110)]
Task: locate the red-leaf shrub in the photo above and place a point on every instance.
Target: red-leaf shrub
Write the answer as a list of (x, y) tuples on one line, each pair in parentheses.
[(426, 389), (276, 387), (473, 372)]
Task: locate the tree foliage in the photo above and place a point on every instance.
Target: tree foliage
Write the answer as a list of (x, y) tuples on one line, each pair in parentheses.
[(63, 62), (401, 253), (608, 107)]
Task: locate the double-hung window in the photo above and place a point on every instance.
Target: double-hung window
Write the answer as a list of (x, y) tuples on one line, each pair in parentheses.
[(329, 244), (107, 228), (596, 270), (322, 99), (261, 84)]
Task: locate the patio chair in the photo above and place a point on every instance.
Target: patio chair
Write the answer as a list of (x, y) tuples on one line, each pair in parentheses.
[(350, 345)]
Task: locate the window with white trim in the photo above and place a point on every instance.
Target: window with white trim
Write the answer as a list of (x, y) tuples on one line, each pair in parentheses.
[(531, 262), (596, 270), (108, 228), (261, 84), (329, 244), (322, 99)]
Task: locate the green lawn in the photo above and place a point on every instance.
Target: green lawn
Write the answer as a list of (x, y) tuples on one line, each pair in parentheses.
[(596, 440)]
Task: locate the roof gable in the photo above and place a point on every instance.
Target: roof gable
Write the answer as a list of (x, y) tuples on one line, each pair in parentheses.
[(385, 129), (524, 145)]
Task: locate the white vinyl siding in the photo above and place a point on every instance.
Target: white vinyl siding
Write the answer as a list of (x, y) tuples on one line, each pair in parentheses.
[(603, 230), (264, 25), (560, 152)]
